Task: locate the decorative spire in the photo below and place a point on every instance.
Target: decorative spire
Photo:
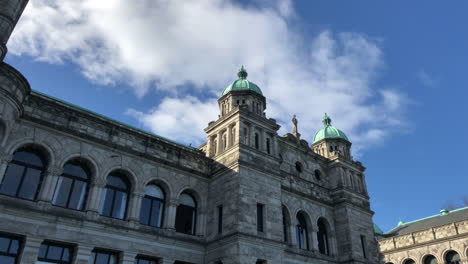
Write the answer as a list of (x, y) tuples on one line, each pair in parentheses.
[(326, 120), (242, 74)]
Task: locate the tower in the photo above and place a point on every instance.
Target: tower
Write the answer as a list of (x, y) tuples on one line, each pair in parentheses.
[(10, 13), (330, 141)]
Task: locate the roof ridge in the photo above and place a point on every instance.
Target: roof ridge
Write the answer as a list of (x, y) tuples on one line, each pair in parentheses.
[(111, 119)]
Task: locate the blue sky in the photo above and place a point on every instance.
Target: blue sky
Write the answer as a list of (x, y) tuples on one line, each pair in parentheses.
[(392, 75)]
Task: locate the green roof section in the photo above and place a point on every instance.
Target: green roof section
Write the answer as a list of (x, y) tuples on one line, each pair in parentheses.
[(242, 84), (329, 131), (112, 120), (377, 230)]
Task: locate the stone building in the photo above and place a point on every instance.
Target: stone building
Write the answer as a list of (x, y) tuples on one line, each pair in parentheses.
[(442, 238), (77, 187)]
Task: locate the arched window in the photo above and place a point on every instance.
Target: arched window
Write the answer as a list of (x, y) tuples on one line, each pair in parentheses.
[(115, 196), (24, 174), (302, 232), (452, 257), (152, 207), (186, 216), (430, 259), (286, 224), (322, 237), (72, 186), (409, 261)]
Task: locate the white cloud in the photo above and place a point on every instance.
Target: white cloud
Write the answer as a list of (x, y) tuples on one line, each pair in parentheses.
[(163, 44), (426, 79)]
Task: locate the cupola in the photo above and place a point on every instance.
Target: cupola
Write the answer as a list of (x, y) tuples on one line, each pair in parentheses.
[(331, 142), (242, 84)]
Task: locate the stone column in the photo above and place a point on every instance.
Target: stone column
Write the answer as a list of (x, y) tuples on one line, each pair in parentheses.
[(94, 199), (252, 136), (171, 213), (127, 258), (4, 160), (135, 206), (275, 150), (83, 254), (293, 233), (313, 239), (200, 228), (49, 183), (209, 144), (31, 250)]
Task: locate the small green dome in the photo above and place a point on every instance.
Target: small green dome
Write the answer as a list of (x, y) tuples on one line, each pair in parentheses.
[(242, 84), (329, 131)]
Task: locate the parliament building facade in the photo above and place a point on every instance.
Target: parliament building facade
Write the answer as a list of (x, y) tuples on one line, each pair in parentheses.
[(77, 187)]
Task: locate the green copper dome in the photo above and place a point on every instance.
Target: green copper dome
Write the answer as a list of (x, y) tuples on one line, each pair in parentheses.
[(242, 84), (329, 131)]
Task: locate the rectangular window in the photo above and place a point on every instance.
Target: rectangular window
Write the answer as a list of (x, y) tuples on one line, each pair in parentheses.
[(260, 208), (363, 244), (146, 260), (10, 249), (104, 257), (220, 219), (50, 252)]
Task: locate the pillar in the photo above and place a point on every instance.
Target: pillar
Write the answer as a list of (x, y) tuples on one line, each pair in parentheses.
[(127, 258), (4, 160), (171, 213), (293, 231), (135, 206), (83, 254), (31, 250), (49, 183), (275, 150), (94, 199), (229, 137), (313, 238)]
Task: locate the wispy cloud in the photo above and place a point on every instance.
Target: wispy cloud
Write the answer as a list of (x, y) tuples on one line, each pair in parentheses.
[(161, 44), (426, 79)]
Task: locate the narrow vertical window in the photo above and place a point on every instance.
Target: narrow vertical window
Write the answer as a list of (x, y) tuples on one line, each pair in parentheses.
[(302, 232), (55, 253), (363, 245), (260, 208), (257, 146), (10, 248), (220, 219), (322, 238), (246, 136), (268, 145)]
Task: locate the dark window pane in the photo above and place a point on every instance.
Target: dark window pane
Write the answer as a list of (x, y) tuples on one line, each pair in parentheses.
[(106, 204), (7, 260), (4, 244), (28, 157), (12, 179), (75, 170), (54, 253), (62, 191), (156, 214), (260, 217), (102, 258), (145, 211), (66, 255), (78, 196), (185, 218), (42, 251), (120, 203), (117, 181), (31, 180), (14, 246)]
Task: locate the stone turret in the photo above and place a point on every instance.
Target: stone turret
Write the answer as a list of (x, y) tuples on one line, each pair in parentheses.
[(10, 12), (330, 141)]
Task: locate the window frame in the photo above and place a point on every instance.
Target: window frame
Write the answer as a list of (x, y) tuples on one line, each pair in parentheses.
[(147, 258), (220, 218), (260, 217), (115, 190), (25, 167), (192, 232), (19, 252), (74, 179), (152, 199), (97, 251), (57, 244)]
